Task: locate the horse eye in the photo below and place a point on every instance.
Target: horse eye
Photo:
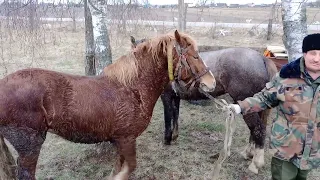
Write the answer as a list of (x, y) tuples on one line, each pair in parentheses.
[(188, 44), (196, 57)]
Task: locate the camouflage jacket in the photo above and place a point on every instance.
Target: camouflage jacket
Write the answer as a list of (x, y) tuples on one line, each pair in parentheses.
[(295, 132)]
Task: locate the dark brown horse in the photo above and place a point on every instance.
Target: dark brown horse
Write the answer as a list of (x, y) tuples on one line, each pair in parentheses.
[(241, 73), (116, 106)]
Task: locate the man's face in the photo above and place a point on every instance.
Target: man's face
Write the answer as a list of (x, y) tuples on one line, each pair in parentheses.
[(312, 61)]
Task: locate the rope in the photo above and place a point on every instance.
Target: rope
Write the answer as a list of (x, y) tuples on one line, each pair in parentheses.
[(230, 127)]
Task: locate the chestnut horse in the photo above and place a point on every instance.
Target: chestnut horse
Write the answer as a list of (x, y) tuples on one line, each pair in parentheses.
[(116, 106), (240, 72)]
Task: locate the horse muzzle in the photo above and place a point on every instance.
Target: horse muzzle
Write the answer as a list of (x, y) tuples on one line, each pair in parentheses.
[(208, 87)]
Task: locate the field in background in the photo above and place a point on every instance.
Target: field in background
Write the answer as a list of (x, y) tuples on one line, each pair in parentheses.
[(201, 127)]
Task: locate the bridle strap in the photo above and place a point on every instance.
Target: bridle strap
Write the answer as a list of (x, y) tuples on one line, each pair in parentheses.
[(182, 53)]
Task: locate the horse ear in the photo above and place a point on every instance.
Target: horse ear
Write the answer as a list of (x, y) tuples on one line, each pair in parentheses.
[(177, 36), (133, 40)]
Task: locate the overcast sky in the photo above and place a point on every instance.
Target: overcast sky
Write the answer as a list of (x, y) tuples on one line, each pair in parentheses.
[(216, 1), (160, 2)]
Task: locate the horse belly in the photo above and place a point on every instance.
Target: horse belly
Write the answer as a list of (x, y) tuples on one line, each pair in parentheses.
[(87, 131), (79, 137)]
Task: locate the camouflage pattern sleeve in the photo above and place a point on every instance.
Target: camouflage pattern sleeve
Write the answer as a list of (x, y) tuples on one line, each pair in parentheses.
[(266, 98)]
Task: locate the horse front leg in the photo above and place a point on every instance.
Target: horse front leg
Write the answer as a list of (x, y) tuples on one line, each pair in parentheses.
[(257, 134), (259, 138), (168, 116), (176, 106), (248, 151), (127, 158)]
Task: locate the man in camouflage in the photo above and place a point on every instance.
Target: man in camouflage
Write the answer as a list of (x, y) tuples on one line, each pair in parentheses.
[(295, 132)]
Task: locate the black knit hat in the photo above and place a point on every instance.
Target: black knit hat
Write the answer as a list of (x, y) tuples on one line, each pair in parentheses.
[(311, 42)]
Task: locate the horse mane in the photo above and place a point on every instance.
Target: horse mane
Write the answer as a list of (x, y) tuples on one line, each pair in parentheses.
[(125, 69)]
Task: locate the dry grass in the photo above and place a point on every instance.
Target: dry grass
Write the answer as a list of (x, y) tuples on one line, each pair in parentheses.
[(201, 127)]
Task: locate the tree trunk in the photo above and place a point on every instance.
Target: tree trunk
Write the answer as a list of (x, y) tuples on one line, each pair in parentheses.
[(74, 22), (185, 16), (90, 68), (271, 20), (294, 26), (32, 15), (103, 56), (7, 164), (182, 18)]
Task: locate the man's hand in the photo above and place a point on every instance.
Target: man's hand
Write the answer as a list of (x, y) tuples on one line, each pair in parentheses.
[(235, 108)]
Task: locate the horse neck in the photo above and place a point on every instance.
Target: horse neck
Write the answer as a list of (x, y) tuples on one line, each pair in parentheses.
[(153, 78)]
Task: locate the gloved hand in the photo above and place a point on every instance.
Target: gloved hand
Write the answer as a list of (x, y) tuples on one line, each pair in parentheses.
[(235, 107)]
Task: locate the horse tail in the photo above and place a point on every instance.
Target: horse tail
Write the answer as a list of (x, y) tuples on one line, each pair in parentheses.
[(270, 66), (271, 70), (7, 164)]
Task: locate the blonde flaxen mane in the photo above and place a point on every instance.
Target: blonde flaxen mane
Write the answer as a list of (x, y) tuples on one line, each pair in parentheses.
[(125, 69)]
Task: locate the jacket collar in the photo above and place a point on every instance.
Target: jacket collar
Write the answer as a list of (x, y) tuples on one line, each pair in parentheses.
[(292, 69)]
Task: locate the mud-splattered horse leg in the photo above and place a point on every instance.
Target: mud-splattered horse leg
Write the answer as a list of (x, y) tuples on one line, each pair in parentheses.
[(255, 148), (126, 162), (248, 151), (176, 106), (166, 98), (171, 104), (27, 142)]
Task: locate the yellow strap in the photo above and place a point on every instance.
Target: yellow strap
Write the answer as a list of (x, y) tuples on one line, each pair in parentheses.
[(170, 62)]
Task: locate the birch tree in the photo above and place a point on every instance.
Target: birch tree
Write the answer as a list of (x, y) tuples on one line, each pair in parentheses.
[(102, 54), (294, 20), (90, 68)]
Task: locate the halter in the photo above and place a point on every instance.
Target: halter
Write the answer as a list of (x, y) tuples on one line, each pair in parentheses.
[(182, 62)]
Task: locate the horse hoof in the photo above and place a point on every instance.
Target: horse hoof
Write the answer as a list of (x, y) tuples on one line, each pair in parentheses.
[(253, 168), (167, 142), (247, 152), (246, 155), (167, 139), (259, 158), (175, 137)]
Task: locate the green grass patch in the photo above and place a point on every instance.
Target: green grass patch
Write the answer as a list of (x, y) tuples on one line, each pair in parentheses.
[(208, 126)]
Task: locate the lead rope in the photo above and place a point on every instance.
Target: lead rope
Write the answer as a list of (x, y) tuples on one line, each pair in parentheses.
[(230, 126)]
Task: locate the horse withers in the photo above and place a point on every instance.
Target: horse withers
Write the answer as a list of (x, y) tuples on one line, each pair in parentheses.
[(116, 106), (240, 72)]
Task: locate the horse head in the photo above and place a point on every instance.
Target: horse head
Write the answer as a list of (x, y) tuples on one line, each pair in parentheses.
[(190, 70), (185, 65)]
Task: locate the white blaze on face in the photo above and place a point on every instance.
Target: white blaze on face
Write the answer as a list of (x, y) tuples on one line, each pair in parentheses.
[(207, 68)]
